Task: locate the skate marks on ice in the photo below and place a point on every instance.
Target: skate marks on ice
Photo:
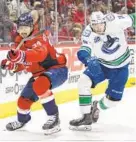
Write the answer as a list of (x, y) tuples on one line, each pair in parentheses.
[(115, 125), (100, 132)]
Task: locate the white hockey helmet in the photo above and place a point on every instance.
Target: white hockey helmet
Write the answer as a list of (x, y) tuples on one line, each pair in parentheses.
[(97, 18)]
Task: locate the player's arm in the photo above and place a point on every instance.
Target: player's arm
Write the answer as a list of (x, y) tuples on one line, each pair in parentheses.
[(84, 53), (8, 65), (18, 68), (133, 17), (36, 54), (126, 20), (123, 21)]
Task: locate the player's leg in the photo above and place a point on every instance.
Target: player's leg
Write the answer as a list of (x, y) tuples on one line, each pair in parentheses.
[(85, 102), (50, 79), (88, 80), (114, 92), (25, 101)]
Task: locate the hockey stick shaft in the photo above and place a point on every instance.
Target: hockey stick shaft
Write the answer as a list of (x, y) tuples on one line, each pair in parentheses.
[(26, 39), (29, 38)]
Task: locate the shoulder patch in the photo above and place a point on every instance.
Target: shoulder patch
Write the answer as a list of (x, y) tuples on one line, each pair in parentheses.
[(110, 17), (86, 33)]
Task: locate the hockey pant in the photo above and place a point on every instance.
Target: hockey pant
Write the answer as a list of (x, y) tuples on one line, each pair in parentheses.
[(117, 79), (39, 88)]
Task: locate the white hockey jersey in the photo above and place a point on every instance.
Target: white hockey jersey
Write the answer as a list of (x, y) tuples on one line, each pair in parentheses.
[(111, 48)]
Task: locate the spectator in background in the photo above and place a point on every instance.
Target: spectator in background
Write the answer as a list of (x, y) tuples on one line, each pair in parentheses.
[(39, 7), (77, 31), (23, 7), (64, 5), (101, 6), (65, 32), (13, 11), (88, 2), (50, 6), (131, 6), (5, 23), (124, 10), (78, 16), (37, 11), (116, 5), (48, 21)]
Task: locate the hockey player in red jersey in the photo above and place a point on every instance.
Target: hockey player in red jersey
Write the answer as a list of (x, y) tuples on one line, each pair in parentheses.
[(48, 70)]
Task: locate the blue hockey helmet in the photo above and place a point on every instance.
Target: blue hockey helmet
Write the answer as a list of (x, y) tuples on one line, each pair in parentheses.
[(25, 19)]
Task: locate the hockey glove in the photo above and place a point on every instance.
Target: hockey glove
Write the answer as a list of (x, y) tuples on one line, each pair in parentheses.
[(6, 64), (16, 56)]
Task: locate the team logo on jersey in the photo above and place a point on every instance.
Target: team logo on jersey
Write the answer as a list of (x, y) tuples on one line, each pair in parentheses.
[(111, 45)]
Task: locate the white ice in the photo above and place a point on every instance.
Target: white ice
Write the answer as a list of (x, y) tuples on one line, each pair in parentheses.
[(115, 125)]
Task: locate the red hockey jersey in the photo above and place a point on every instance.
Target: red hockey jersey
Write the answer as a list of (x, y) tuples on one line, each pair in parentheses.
[(40, 55)]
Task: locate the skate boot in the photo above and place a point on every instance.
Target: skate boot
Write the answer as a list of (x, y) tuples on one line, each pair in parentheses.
[(82, 124), (52, 125), (14, 125), (95, 112)]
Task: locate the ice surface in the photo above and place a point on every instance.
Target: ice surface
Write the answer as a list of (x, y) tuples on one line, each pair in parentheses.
[(115, 125)]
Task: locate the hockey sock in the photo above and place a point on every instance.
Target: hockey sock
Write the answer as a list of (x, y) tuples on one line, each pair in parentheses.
[(49, 104), (85, 102), (23, 110), (102, 104), (107, 102), (24, 118)]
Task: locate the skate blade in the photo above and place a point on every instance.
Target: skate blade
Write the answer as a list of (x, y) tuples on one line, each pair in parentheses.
[(52, 131), (19, 130), (81, 128)]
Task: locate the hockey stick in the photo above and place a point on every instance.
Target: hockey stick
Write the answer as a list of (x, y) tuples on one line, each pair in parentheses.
[(29, 38), (22, 42)]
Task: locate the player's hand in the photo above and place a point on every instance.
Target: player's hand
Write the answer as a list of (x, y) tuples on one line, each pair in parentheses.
[(16, 56), (6, 64)]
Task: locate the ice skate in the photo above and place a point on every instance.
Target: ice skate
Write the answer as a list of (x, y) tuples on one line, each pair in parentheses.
[(52, 125), (82, 124), (95, 112), (12, 126)]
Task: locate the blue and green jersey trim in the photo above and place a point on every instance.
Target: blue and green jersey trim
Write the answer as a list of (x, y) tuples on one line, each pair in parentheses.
[(133, 17), (117, 61)]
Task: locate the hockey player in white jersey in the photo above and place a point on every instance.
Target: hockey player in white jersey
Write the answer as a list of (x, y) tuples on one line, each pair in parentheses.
[(105, 54)]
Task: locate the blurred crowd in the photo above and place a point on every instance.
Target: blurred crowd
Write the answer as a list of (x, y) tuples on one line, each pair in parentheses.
[(64, 19)]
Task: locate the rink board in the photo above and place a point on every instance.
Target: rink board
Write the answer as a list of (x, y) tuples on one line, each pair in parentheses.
[(12, 84)]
